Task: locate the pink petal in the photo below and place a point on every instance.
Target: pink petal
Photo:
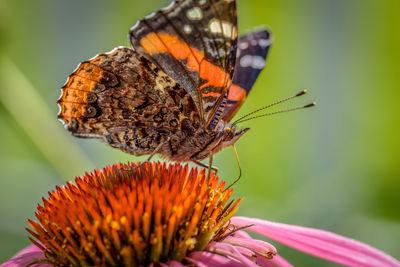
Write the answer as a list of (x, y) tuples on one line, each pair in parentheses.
[(319, 243), (176, 264), (238, 253), (210, 259), (226, 249), (196, 262), (242, 234), (277, 261), (281, 262), (263, 248), (25, 257)]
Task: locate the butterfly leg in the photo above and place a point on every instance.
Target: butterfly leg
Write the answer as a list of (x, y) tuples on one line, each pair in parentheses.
[(240, 169), (215, 169), (210, 157), (155, 151)]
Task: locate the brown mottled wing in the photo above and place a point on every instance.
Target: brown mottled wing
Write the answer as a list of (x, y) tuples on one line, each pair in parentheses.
[(193, 41), (125, 100)]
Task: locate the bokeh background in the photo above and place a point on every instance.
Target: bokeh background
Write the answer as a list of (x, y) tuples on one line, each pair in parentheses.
[(335, 167)]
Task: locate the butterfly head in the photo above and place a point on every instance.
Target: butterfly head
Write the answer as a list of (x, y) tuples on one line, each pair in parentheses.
[(230, 134)]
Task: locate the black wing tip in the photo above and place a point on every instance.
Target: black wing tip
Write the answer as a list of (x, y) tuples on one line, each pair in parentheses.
[(260, 30)]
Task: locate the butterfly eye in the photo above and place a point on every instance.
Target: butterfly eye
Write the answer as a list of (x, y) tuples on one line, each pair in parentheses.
[(228, 134)]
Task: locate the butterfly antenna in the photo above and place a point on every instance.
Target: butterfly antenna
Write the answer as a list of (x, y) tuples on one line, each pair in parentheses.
[(280, 111), (271, 105), (240, 170)]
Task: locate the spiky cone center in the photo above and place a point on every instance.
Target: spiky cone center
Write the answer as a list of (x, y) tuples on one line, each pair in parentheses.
[(131, 215)]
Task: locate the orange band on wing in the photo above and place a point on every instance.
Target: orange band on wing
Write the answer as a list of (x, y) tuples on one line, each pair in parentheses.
[(213, 94), (157, 43), (237, 93)]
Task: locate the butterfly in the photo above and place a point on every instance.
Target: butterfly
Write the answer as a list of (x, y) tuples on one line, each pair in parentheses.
[(176, 90)]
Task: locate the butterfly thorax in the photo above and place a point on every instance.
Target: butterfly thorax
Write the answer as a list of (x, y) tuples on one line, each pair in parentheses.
[(187, 145), (222, 136), (196, 144)]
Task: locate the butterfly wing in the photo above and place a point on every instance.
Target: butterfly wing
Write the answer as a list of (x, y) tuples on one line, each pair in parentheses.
[(251, 56), (125, 100), (195, 43)]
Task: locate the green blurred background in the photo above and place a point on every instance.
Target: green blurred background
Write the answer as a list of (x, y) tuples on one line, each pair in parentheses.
[(334, 167)]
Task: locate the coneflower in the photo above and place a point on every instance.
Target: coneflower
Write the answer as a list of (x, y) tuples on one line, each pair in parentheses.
[(155, 214)]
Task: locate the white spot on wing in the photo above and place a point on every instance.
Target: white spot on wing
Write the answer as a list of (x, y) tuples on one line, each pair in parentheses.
[(243, 45), (222, 27), (135, 26), (150, 15), (174, 10), (258, 62), (215, 26), (63, 122), (228, 29), (169, 6), (255, 62), (264, 42), (194, 13), (187, 29), (246, 61), (59, 106)]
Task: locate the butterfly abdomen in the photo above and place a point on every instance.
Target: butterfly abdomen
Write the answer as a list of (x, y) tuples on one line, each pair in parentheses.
[(218, 113)]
